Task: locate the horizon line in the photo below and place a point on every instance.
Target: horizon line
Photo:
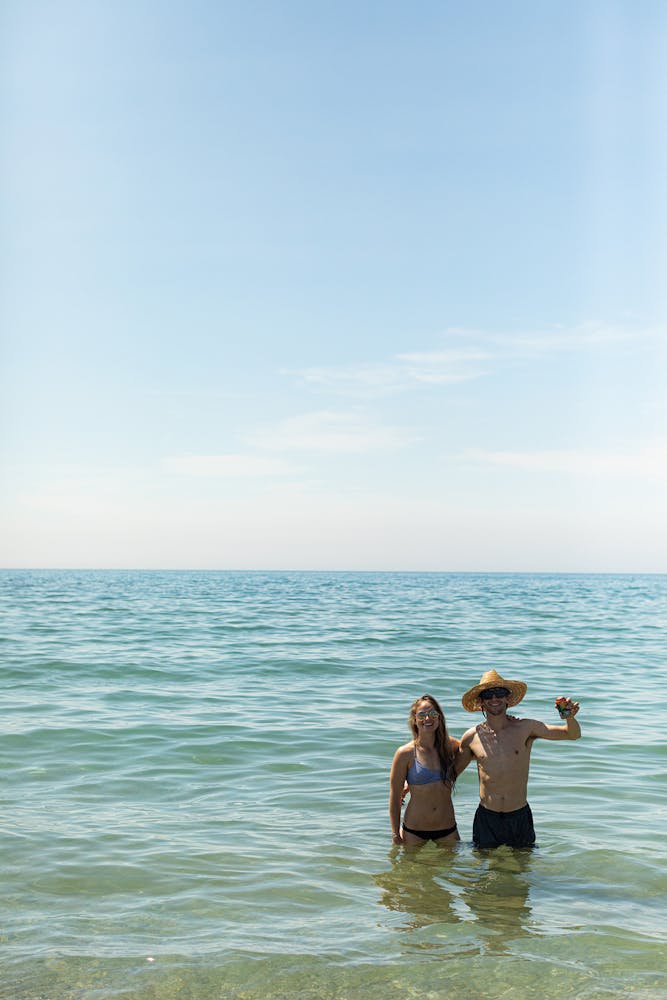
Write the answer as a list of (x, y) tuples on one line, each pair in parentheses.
[(424, 572)]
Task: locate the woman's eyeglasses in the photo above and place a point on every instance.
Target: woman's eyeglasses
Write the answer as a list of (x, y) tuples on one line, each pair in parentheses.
[(428, 715), (494, 693)]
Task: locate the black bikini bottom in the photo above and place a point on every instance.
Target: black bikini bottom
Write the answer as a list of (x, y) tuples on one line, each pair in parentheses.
[(430, 834)]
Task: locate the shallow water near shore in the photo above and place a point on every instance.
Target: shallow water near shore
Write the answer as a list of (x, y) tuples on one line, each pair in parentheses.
[(196, 779)]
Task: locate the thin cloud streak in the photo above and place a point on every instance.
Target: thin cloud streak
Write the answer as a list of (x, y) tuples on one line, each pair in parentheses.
[(648, 462), (226, 466), (368, 381), (559, 338), (444, 357), (363, 381), (451, 364), (329, 431), (442, 378)]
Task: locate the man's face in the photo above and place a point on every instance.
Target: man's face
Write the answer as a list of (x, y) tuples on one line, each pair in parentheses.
[(494, 700)]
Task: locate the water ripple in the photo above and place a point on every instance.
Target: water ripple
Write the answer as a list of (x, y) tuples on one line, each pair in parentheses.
[(196, 771)]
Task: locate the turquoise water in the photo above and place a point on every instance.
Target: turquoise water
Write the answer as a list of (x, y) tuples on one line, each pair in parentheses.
[(195, 780)]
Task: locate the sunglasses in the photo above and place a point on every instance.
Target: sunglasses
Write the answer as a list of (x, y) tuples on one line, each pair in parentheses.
[(494, 693), (428, 715)]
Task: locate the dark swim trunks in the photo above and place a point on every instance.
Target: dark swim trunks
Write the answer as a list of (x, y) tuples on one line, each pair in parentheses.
[(491, 829)]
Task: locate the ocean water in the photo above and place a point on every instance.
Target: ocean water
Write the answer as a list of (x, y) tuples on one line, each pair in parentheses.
[(195, 778)]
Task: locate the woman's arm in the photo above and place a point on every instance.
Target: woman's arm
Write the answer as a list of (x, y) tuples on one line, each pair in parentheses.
[(399, 770)]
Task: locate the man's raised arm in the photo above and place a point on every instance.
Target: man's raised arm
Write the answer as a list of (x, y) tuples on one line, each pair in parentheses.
[(571, 730)]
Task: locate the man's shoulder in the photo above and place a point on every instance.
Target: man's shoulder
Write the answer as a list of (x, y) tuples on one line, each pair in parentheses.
[(526, 727), (517, 720), (468, 736)]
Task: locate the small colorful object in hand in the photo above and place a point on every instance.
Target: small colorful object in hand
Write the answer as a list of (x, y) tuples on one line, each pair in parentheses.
[(563, 710)]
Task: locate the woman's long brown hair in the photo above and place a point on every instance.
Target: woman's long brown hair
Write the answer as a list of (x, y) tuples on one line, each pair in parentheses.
[(445, 752)]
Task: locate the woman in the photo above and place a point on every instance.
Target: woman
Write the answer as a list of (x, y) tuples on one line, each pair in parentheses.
[(427, 764)]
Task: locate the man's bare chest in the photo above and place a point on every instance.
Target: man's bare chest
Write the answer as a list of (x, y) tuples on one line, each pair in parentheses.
[(500, 749)]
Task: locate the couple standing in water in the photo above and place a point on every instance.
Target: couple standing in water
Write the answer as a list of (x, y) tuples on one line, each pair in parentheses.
[(500, 745)]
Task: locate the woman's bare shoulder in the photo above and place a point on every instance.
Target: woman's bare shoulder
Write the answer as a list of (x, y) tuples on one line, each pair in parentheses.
[(401, 762), (406, 750)]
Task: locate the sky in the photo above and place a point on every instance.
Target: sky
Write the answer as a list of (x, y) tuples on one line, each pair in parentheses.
[(359, 285)]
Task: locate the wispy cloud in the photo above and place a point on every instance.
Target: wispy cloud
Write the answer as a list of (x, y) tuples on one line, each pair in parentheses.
[(582, 336), (449, 357), (364, 381), (466, 354), (329, 431), (648, 462), (368, 381), (226, 466)]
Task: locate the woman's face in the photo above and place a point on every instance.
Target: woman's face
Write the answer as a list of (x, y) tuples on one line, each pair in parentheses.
[(427, 718)]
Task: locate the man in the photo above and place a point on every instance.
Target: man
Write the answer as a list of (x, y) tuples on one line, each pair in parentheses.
[(501, 747)]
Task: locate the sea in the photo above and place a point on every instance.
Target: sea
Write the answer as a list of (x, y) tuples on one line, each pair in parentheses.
[(195, 777)]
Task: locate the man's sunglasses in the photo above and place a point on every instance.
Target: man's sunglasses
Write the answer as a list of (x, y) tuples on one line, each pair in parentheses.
[(494, 693)]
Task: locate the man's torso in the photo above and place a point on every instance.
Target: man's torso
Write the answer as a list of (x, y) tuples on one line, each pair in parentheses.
[(503, 759)]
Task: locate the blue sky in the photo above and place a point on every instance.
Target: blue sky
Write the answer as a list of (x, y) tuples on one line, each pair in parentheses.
[(334, 286)]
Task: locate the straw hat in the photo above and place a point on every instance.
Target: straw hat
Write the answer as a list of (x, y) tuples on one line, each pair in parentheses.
[(471, 700)]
